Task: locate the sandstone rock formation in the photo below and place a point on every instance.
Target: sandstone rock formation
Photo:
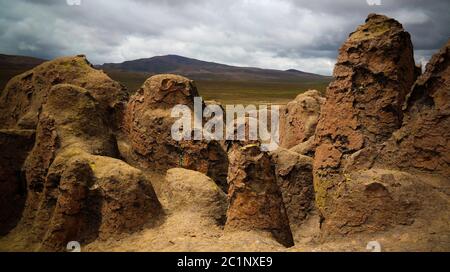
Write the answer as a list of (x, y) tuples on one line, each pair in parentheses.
[(60, 177), (71, 118), (374, 73), (148, 123), (298, 119), (256, 203), (423, 142), (294, 177), (25, 94), (89, 197), (76, 192), (189, 191), (78, 163), (307, 148), (356, 190)]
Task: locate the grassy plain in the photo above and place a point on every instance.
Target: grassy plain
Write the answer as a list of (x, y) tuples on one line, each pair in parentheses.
[(223, 91), (234, 92)]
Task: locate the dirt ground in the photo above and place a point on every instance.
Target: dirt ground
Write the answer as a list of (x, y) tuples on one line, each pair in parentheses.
[(190, 232)]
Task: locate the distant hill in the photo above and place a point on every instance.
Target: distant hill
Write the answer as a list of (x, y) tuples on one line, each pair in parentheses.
[(203, 70), (224, 83), (11, 66), (19, 62)]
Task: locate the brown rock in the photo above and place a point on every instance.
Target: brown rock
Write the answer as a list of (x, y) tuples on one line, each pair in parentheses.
[(307, 148), (256, 202), (148, 125), (373, 75), (87, 197), (75, 192), (24, 95), (376, 199), (71, 118), (298, 119), (419, 149), (193, 192), (15, 146), (423, 142), (295, 179)]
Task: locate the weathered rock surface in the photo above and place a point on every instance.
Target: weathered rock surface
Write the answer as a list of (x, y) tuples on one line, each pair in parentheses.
[(298, 119), (89, 197), (148, 125), (256, 202), (75, 192), (190, 191), (295, 179), (25, 94), (373, 75), (15, 146), (381, 167), (307, 148), (358, 188), (423, 142), (71, 118)]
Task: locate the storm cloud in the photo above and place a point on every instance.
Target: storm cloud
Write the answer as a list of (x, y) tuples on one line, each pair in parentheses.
[(280, 34)]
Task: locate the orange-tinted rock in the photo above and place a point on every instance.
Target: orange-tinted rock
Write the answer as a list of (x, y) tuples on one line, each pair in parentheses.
[(423, 142), (374, 200), (148, 125), (373, 75), (256, 202)]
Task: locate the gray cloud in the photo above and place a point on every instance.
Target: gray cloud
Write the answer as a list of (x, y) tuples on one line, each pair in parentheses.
[(280, 34)]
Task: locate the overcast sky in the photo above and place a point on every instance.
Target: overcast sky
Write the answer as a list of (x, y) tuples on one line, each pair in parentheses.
[(279, 34)]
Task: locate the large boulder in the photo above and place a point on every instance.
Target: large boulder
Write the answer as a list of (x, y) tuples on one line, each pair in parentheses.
[(24, 95), (423, 142), (71, 118), (373, 75), (385, 165), (89, 197), (298, 119), (147, 127), (409, 173), (295, 179), (76, 191), (256, 202), (187, 191)]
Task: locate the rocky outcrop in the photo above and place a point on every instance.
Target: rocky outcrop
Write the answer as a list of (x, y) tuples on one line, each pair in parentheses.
[(256, 203), (15, 146), (189, 191), (295, 180), (373, 75), (76, 190), (89, 197), (307, 148), (148, 125), (364, 137), (423, 142), (380, 148), (60, 177), (23, 97), (298, 119), (71, 118)]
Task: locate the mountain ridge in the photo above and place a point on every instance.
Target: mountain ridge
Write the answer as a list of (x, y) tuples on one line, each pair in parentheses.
[(199, 69)]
